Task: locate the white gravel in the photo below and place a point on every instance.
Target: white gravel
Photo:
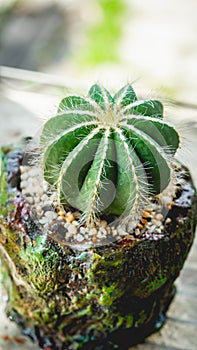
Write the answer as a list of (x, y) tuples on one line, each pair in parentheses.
[(44, 204)]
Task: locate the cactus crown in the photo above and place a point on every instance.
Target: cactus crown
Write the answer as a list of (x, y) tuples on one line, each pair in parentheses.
[(107, 155)]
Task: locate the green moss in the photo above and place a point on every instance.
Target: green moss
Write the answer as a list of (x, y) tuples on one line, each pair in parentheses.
[(108, 294), (151, 283), (42, 266), (97, 300), (3, 186), (38, 255)]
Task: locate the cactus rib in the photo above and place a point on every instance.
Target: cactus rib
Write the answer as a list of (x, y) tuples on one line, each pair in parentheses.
[(56, 147), (157, 129), (94, 203), (67, 163), (77, 104), (136, 193), (154, 154), (66, 132), (107, 154), (145, 107)]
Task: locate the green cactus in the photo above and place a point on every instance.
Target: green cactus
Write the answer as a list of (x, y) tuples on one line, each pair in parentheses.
[(107, 154)]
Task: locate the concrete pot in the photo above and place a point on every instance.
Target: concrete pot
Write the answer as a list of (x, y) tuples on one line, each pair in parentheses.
[(102, 297)]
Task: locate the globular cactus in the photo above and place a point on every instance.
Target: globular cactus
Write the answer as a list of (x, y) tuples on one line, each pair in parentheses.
[(108, 155)]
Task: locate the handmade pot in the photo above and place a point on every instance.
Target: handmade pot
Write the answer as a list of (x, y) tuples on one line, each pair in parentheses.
[(102, 296)]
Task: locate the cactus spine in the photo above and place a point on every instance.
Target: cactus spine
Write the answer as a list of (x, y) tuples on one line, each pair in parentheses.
[(107, 154)]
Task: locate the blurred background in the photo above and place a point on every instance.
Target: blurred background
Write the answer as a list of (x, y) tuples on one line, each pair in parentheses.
[(52, 48), (152, 41)]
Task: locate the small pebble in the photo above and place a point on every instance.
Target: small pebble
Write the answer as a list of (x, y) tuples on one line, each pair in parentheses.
[(37, 200), (79, 238), (44, 220), (152, 229), (145, 214), (156, 222), (72, 229), (47, 204), (51, 215), (92, 231), (94, 239), (39, 191), (39, 209), (100, 234), (168, 221), (60, 218), (46, 207), (66, 225), (24, 184), (137, 232), (149, 210), (30, 200), (75, 223), (149, 223), (34, 172), (114, 232), (103, 230), (159, 217), (23, 169), (140, 226), (24, 176), (103, 223), (61, 213), (108, 229), (83, 230), (70, 218), (45, 186), (44, 198), (129, 237), (170, 206)]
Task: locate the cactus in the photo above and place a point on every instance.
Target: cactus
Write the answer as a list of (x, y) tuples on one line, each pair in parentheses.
[(108, 155)]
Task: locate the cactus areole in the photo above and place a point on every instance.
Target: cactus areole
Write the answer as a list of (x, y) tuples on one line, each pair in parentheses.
[(108, 154)]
